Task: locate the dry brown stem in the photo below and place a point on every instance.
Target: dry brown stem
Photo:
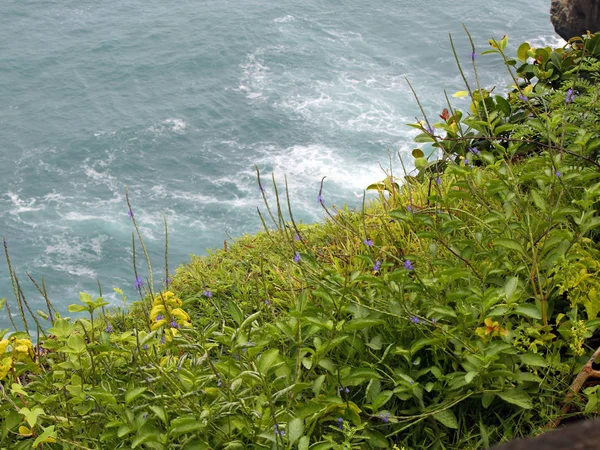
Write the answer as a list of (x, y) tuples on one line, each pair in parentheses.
[(586, 372)]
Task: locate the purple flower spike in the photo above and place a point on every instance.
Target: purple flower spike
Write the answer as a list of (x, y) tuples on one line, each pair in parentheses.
[(473, 55), (159, 317), (558, 174), (408, 265), (207, 293), (109, 328), (570, 96), (320, 199), (139, 282), (297, 237), (523, 97), (377, 266), (130, 213), (438, 181), (475, 151), (385, 418), (297, 257), (414, 319), (174, 324), (368, 242), (340, 423)]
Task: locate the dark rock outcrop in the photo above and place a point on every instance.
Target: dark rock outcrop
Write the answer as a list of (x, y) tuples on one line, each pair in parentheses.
[(584, 435), (575, 17)]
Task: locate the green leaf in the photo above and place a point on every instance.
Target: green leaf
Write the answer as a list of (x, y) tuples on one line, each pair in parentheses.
[(538, 200), (47, 433), (516, 397), (160, 413), (295, 430), (303, 443), (31, 416), (267, 359), (503, 105), (510, 244), (423, 137), (486, 399), (185, 425), (529, 311), (359, 376), (317, 384), (77, 343), (533, 359), (522, 52), (447, 418), (236, 312), (418, 153), (134, 393)]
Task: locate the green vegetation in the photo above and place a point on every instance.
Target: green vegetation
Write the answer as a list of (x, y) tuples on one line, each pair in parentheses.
[(452, 312)]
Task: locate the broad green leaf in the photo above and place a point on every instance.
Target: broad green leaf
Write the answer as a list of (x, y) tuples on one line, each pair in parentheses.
[(160, 413), (48, 435), (528, 311), (31, 416), (236, 312), (447, 418), (295, 430), (303, 443), (533, 359), (358, 376), (77, 308), (418, 153), (267, 359), (516, 397), (77, 343), (522, 52), (134, 393), (185, 425), (510, 244)]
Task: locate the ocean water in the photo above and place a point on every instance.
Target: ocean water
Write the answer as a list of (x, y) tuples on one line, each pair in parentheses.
[(178, 100)]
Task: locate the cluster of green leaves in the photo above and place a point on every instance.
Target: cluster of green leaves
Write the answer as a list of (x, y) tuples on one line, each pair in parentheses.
[(453, 311)]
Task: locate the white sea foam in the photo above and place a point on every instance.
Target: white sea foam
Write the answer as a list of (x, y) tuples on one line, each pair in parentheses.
[(285, 19), (21, 206)]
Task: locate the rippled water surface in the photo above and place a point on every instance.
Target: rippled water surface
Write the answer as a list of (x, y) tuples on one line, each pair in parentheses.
[(178, 101)]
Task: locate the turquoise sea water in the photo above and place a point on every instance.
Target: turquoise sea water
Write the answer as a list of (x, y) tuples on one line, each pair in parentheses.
[(178, 101)]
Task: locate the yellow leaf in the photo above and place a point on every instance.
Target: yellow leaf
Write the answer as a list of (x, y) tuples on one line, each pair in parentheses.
[(460, 94), (3, 345), (24, 431)]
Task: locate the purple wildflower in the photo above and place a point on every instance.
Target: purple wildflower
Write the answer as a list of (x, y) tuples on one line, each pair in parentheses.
[(174, 324), (475, 151), (267, 302), (570, 96), (523, 97), (408, 265), (320, 199), (466, 161), (385, 418), (430, 129), (109, 328), (159, 317), (433, 321), (414, 319), (340, 423), (219, 383), (207, 293), (162, 340), (145, 346), (343, 389), (139, 282), (411, 208), (278, 431), (368, 242), (297, 237), (438, 181), (130, 214), (377, 266), (558, 174), (297, 257), (473, 55)]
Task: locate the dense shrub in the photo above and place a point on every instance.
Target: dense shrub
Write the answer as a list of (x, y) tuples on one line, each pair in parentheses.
[(454, 311)]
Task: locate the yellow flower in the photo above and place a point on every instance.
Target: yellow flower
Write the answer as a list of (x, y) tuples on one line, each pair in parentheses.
[(491, 328), (3, 345), (5, 366)]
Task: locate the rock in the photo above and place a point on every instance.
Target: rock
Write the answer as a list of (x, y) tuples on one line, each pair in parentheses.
[(584, 435), (575, 17)]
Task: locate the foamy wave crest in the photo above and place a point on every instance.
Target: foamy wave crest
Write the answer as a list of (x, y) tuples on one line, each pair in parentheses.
[(172, 125), (285, 19), (20, 205)]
